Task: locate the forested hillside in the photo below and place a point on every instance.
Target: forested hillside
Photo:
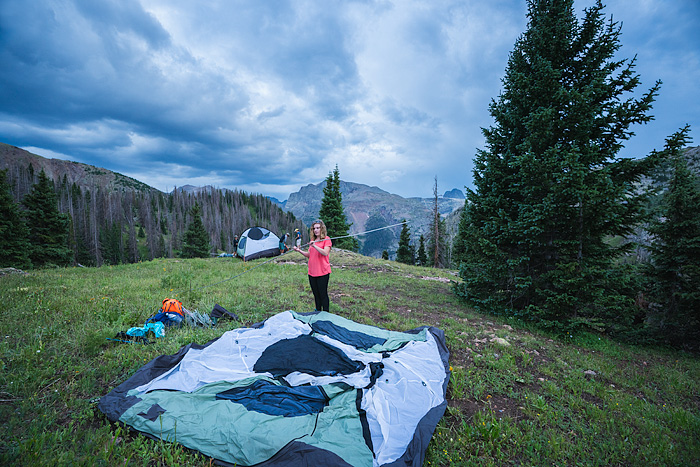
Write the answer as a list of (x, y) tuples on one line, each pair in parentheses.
[(112, 221)]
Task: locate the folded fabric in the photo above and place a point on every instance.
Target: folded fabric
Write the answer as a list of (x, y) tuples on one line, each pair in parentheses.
[(158, 329)]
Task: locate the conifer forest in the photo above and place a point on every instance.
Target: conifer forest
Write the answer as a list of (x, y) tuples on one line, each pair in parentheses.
[(108, 226)]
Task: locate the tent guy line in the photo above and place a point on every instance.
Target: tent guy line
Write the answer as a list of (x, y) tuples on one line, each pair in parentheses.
[(282, 254), (368, 231)]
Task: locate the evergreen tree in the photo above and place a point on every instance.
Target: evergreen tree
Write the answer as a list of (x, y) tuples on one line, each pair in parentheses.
[(550, 190), (422, 256), (437, 246), (196, 241), (405, 252), (48, 228), (332, 213), (674, 270), (459, 246), (385, 255), (14, 235), (111, 244)]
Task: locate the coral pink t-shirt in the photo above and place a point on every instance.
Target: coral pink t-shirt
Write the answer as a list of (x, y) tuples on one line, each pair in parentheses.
[(319, 265)]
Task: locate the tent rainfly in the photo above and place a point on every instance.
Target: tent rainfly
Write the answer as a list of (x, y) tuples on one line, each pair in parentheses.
[(258, 242), (297, 389)]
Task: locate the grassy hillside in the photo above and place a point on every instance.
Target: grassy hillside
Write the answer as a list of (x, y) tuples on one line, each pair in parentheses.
[(516, 396)]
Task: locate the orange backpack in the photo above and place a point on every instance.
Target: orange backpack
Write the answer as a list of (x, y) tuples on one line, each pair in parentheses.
[(171, 305)]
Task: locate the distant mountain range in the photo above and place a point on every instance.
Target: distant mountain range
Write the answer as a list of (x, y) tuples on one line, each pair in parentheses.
[(361, 202)]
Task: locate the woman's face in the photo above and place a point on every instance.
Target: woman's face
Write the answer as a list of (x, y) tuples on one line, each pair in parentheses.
[(317, 229)]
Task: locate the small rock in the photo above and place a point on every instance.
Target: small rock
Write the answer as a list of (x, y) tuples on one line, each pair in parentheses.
[(6, 271), (589, 373), (500, 341)]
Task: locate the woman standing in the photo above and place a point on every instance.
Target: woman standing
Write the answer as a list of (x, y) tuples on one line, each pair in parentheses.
[(319, 263)]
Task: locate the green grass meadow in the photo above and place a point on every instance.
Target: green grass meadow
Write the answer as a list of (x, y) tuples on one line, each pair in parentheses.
[(517, 396)]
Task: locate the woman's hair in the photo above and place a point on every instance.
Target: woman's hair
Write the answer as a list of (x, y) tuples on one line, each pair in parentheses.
[(323, 230)]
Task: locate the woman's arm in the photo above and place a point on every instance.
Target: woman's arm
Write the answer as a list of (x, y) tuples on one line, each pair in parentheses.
[(325, 251), (305, 253)]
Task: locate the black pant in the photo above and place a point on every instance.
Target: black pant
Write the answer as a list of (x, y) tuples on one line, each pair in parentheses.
[(319, 286)]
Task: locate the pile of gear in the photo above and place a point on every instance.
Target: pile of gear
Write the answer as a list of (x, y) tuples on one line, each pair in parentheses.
[(171, 313)]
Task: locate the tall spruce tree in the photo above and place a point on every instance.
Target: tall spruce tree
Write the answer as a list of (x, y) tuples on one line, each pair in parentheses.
[(437, 238), (332, 214), (14, 235), (459, 247), (421, 256), (405, 253), (196, 241), (550, 190), (674, 269), (112, 243), (48, 228)]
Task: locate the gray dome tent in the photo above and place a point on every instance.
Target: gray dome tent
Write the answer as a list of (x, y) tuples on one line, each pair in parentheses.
[(258, 242)]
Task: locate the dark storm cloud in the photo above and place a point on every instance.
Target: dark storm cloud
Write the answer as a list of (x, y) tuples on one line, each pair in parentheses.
[(269, 96)]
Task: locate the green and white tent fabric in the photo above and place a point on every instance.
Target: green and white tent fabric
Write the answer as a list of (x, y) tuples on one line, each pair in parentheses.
[(296, 389), (258, 242)]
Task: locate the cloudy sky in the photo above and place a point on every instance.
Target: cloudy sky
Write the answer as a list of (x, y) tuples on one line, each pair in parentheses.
[(268, 96)]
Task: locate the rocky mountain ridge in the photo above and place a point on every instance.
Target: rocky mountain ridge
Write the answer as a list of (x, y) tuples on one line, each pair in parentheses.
[(83, 175), (362, 202)]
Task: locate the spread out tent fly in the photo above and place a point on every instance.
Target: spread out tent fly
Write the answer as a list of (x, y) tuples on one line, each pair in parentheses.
[(296, 389), (258, 242)]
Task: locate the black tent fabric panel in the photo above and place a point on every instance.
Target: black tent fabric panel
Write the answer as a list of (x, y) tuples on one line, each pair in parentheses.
[(220, 312), (305, 354), (298, 454), (415, 452), (114, 404), (153, 413), (357, 339), (263, 254), (273, 399), (255, 233), (366, 434)]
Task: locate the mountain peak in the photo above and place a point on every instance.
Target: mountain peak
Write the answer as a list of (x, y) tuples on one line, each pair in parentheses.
[(454, 193)]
